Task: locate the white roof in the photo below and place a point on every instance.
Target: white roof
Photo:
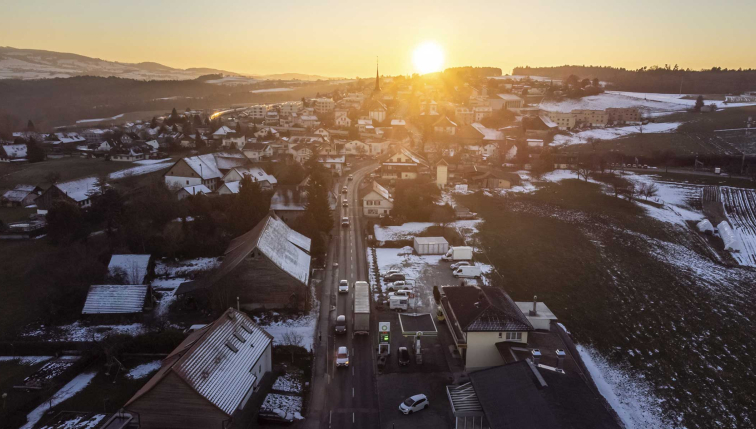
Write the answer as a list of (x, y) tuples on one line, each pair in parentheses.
[(299, 240), (196, 189), (549, 123), (397, 122), (333, 159), (309, 118), (233, 187), (365, 122), (380, 190), (430, 240), (257, 174), (222, 131), (15, 150), (488, 133), (204, 165), (274, 243), (509, 97), (115, 299), (79, 190), (135, 266), (69, 137)]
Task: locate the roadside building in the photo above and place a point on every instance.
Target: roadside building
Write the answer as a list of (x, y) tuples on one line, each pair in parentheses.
[(479, 318), (430, 245), (505, 101), (624, 115), (258, 111), (257, 174), (77, 192), (403, 164), (324, 105), (209, 379), (333, 163), (267, 267), (194, 170), (13, 153), (376, 201)]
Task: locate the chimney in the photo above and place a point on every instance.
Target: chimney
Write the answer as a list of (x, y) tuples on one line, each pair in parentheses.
[(536, 356), (533, 312), (560, 359)]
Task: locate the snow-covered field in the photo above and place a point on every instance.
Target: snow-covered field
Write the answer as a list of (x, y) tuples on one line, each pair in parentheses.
[(628, 396), (79, 332), (259, 91), (302, 326), (143, 370), (170, 275), (112, 118), (614, 133), (50, 370), (410, 264), (740, 208), (410, 229), (69, 390)]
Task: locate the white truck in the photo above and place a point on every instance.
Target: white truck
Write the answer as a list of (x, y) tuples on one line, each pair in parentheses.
[(459, 253), (361, 308), (470, 272), (399, 302)]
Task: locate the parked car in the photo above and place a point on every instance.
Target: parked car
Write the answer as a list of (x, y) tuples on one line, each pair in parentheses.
[(404, 356), (456, 265), (404, 292), (389, 272), (351, 177), (472, 271), (342, 357), (341, 325), (344, 221), (397, 285), (275, 417), (343, 286), (394, 277), (413, 404)]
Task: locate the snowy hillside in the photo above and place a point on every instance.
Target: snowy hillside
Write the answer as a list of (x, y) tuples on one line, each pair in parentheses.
[(37, 64)]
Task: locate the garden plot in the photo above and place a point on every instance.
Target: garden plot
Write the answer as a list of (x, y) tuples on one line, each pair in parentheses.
[(87, 421), (285, 403), (740, 207), (291, 330), (79, 332), (68, 391), (288, 383), (50, 370), (677, 199)]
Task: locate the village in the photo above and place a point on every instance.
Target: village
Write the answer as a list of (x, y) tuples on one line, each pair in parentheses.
[(228, 261)]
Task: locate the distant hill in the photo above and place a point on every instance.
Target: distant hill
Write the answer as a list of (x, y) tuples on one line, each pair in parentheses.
[(38, 64), (29, 64), (655, 79)]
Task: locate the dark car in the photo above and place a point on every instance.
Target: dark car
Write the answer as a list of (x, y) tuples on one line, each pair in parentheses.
[(341, 327), (404, 356), (275, 417), (394, 277)]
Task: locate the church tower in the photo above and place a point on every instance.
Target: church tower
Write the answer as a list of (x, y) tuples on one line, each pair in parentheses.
[(377, 89)]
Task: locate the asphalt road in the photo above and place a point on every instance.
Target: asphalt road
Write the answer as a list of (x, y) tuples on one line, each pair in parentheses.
[(351, 400)]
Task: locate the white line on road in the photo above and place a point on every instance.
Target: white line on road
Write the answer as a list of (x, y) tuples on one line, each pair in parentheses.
[(352, 417), (353, 375), (352, 392)]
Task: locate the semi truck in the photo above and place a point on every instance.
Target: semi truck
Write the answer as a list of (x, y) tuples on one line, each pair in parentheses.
[(361, 308), (459, 253)]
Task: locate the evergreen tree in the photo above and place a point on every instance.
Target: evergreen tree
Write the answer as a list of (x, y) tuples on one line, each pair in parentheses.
[(153, 122), (30, 126), (239, 130), (198, 142), (251, 204), (34, 153), (174, 114), (318, 208), (699, 103)]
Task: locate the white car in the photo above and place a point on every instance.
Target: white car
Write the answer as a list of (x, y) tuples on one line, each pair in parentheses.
[(456, 265), (389, 272), (344, 221), (351, 177), (413, 404), (404, 292), (343, 286), (342, 357), (397, 285), (344, 203)]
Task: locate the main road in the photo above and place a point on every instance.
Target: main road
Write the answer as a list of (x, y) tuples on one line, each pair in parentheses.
[(345, 397)]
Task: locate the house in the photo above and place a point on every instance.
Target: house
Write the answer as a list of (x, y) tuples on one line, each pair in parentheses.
[(323, 134), (118, 300), (363, 124), (228, 188), (428, 108), (376, 201), (403, 164), (539, 127), (309, 121), (497, 179), (489, 134), (333, 163), (258, 111), (445, 126), (535, 143), (267, 267), (272, 118), (257, 151), (233, 142), (356, 147), (505, 101), (77, 192), (192, 190), (134, 269), (226, 160), (13, 153), (194, 170), (257, 174), (127, 155), (21, 196), (564, 120), (377, 147), (223, 132), (442, 173), (463, 115), (208, 380), (301, 153), (481, 112), (343, 121), (324, 105), (266, 133), (623, 115), (154, 145), (478, 318)]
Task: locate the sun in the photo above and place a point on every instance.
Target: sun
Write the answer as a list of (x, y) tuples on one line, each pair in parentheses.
[(428, 57)]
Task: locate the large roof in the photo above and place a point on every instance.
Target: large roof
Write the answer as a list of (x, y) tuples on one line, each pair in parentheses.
[(16, 151), (488, 133), (288, 197), (224, 130), (204, 165), (485, 308), (79, 190), (378, 189), (257, 174), (519, 395), (115, 299), (135, 266), (20, 192), (216, 361)]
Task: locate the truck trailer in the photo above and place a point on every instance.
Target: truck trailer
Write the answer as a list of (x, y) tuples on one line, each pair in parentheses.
[(459, 253), (361, 308)]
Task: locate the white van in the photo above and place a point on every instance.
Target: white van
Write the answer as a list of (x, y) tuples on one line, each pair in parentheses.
[(472, 271), (398, 303), (404, 292)]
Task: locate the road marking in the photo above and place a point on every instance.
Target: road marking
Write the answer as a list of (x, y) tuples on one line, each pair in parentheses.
[(330, 416), (353, 375), (352, 392), (352, 417)]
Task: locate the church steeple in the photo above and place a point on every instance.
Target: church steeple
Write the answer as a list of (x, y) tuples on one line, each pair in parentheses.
[(377, 79)]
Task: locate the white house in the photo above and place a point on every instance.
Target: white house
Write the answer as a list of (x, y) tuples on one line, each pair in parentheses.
[(322, 133), (192, 171), (333, 163), (257, 174), (223, 132), (309, 121), (343, 122), (233, 142), (376, 201), (356, 147)]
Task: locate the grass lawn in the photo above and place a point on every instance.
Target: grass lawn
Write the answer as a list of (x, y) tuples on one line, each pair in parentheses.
[(13, 214), (643, 293)]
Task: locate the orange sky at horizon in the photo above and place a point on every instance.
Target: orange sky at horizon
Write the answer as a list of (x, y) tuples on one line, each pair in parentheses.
[(342, 39)]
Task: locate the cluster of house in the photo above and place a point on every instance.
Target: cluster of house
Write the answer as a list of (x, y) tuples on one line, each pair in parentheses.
[(523, 369)]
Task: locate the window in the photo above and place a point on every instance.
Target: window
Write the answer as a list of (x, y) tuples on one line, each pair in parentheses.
[(514, 335), (499, 334)]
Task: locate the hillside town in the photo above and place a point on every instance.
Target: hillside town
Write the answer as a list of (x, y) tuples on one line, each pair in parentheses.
[(461, 250)]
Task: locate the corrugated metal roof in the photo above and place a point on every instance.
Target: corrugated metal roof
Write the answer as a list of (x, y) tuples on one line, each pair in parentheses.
[(211, 367), (135, 266), (115, 299)]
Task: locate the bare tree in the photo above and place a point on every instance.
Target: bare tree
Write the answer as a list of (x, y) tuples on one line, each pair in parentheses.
[(583, 171), (651, 191), (292, 339), (631, 191)]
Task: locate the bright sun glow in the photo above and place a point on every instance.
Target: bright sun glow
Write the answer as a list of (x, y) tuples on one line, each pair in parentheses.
[(428, 57)]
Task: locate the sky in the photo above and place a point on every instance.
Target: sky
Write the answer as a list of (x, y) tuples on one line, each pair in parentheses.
[(342, 38)]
